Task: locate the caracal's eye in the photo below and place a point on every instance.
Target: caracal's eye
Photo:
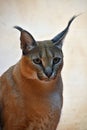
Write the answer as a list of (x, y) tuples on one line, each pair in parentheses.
[(56, 60), (37, 61)]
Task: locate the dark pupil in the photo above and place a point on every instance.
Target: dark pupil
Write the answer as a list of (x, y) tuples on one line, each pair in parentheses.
[(56, 60), (37, 61)]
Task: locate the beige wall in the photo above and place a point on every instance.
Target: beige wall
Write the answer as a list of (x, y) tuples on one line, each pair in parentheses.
[(44, 19)]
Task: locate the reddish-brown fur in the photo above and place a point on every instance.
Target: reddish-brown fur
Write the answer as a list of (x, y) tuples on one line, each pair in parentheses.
[(31, 94), (29, 104)]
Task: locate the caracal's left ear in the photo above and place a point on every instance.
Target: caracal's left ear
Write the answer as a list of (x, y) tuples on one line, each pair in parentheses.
[(58, 40), (27, 40)]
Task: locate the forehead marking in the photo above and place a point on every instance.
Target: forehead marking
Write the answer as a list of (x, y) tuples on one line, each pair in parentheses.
[(46, 56)]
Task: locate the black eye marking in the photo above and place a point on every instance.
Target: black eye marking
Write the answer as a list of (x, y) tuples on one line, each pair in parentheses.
[(37, 61), (56, 60)]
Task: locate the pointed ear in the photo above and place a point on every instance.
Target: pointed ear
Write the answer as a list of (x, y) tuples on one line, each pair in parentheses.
[(58, 40), (27, 40)]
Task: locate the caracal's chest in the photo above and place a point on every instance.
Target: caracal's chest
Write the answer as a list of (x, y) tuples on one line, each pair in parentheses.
[(26, 109), (42, 114)]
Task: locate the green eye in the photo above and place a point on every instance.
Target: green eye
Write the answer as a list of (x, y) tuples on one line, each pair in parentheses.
[(37, 61), (56, 60)]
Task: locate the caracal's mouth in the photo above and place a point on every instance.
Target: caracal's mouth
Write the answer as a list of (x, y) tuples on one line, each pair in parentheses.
[(47, 79)]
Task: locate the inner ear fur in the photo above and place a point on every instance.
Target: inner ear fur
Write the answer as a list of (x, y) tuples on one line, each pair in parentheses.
[(27, 40)]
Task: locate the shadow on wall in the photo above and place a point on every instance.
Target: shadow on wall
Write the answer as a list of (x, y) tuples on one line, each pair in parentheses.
[(44, 19)]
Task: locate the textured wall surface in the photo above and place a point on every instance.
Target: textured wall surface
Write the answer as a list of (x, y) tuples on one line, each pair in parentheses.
[(44, 19)]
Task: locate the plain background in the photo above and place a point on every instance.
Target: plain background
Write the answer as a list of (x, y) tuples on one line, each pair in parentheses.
[(44, 19)]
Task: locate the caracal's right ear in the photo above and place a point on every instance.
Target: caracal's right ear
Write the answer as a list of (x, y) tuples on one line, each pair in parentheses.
[(27, 40)]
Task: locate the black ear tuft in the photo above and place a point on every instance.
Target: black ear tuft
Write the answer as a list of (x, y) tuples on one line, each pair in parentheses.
[(58, 39), (19, 28)]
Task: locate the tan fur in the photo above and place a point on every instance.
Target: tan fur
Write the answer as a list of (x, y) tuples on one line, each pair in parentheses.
[(28, 104), (31, 91)]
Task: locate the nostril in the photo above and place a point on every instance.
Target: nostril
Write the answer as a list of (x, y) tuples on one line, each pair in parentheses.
[(48, 72)]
